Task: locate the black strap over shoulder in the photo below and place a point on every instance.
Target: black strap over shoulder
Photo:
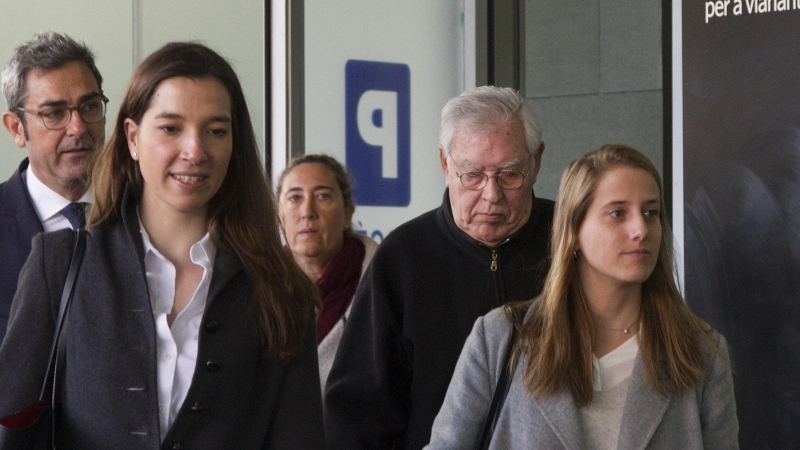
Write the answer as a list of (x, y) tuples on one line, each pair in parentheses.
[(35, 426), (501, 391), (57, 356)]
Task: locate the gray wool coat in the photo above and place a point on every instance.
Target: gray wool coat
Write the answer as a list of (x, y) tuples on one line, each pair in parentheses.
[(702, 419), (237, 399)]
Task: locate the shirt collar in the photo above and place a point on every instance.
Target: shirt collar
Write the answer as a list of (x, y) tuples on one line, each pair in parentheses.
[(46, 201), (202, 252)]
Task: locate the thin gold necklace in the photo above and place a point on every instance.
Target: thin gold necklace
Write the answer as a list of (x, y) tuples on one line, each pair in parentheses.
[(626, 330)]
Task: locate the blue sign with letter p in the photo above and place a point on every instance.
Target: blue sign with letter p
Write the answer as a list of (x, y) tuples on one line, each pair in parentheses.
[(378, 132)]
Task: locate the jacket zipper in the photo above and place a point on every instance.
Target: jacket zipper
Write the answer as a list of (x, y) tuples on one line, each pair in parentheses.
[(494, 256)]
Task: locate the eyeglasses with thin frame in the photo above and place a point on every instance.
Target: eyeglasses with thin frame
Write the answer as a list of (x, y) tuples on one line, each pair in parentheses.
[(507, 179), (57, 117)]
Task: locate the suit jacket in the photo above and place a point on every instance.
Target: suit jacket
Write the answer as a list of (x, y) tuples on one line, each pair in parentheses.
[(238, 398), (19, 223), (703, 418)]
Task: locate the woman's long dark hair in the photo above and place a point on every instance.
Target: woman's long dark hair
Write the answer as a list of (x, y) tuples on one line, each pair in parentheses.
[(241, 215)]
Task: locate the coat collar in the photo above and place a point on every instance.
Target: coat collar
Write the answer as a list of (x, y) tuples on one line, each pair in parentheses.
[(644, 409), (562, 415), (130, 221), (444, 216), (226, 266)]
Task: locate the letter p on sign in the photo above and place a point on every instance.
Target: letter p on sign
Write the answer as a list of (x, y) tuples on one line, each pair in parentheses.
[(378, 132), (377, 123)]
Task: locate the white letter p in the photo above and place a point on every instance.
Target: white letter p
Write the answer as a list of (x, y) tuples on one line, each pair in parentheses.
[(377, 124)]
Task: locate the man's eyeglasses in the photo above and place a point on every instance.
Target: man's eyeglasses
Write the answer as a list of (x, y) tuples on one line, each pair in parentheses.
[(57, 117), (507, 180)]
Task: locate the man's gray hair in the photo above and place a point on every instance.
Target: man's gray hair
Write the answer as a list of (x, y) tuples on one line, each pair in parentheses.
[(485, 109), (48, 50)]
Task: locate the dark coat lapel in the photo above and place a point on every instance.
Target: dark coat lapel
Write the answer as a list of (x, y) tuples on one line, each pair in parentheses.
[(17, 204), (226, 266), (18, 224)]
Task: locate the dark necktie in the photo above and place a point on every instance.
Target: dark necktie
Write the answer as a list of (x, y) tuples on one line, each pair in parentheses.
[(74, 213)]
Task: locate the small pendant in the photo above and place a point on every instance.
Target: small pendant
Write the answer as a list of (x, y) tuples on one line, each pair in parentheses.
[(625, 331)]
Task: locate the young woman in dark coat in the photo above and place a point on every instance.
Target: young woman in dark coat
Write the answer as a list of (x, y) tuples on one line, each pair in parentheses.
[(190, 327)]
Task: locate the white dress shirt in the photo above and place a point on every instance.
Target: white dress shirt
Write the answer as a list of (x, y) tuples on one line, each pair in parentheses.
[(48, 203), (176, 345)]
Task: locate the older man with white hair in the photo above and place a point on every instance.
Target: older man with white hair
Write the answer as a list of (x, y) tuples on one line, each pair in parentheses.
[(431, 278)]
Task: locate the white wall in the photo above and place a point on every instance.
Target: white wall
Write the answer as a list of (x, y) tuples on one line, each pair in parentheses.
[(425, 35), (122, 33)]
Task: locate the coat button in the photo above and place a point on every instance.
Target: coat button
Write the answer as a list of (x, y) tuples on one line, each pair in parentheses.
[(178, 447), (196, 407), (212, 326), (212, 365)]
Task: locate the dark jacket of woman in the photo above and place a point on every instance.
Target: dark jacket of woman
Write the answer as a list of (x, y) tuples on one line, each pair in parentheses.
[(238, 398)]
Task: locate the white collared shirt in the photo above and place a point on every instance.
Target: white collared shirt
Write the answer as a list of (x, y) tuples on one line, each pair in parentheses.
[(176, 346), (48, 203)]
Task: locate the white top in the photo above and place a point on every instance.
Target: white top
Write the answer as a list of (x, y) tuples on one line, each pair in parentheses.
[(176, 346), (48, 203), (602, 418)]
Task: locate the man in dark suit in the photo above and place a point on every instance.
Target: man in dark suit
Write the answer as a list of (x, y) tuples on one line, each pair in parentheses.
[(56, 112)]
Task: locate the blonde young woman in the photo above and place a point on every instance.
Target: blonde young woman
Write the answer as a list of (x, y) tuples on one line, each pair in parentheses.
[(609, 355)]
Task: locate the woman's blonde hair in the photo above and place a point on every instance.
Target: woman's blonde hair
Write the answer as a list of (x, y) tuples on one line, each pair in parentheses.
[(557, 339)]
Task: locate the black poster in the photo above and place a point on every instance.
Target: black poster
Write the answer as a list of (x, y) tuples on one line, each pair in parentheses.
[(741, 174)]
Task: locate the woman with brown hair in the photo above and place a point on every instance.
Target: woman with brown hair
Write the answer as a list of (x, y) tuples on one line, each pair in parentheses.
[(316, 205), (609, 355), (190, 326)]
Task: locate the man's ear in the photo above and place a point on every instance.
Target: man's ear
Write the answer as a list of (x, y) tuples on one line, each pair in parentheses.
[(15, 128), (443, 162)]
